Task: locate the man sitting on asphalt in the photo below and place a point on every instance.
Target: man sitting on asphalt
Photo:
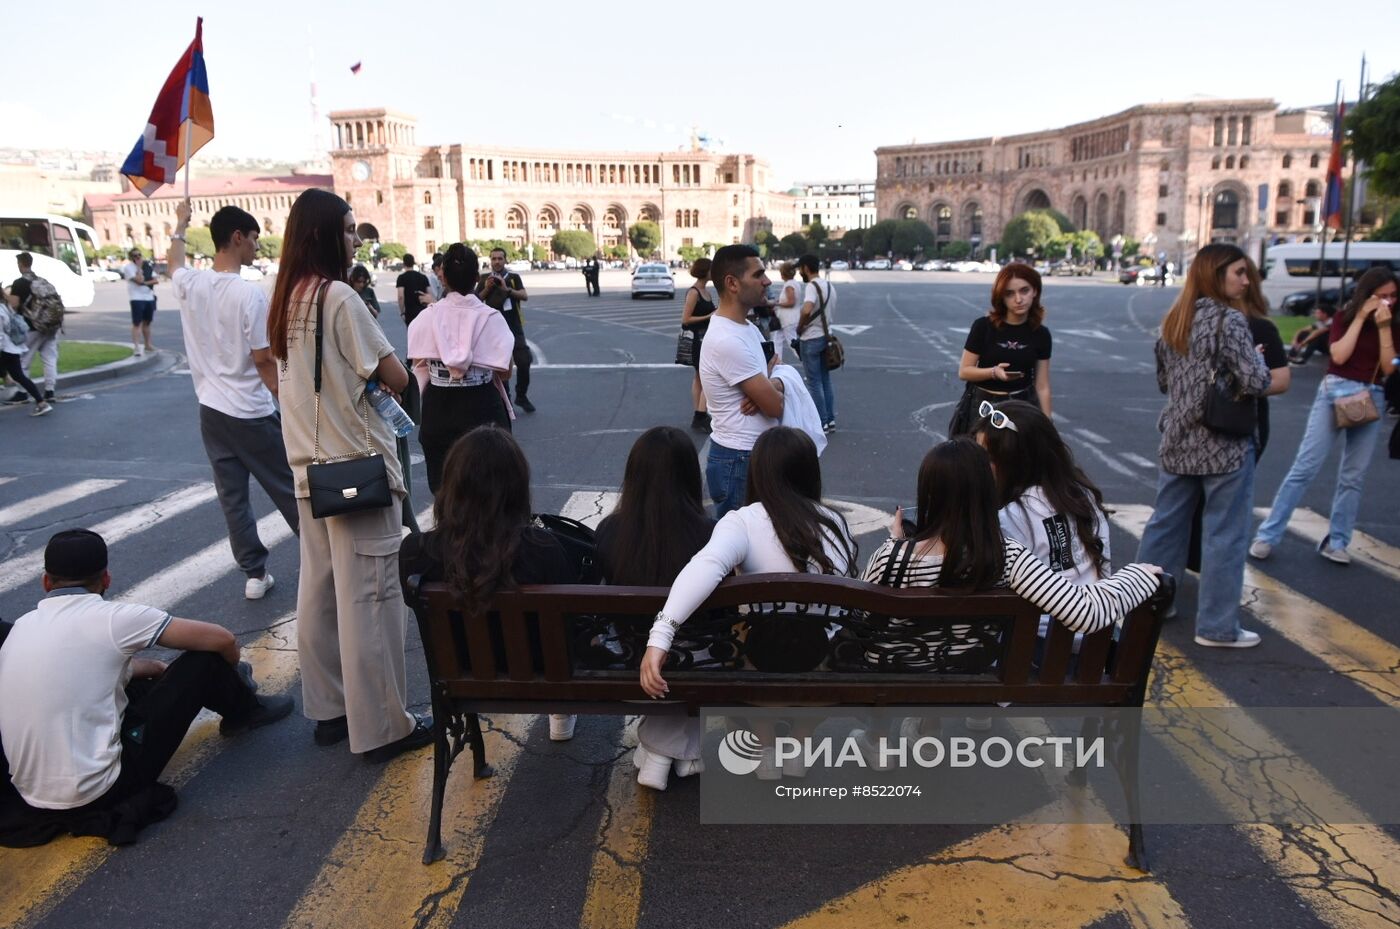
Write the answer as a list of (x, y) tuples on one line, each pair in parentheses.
[(87, 728)]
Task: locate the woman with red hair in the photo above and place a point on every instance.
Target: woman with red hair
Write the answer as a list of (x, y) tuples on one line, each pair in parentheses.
[(1007, 353)]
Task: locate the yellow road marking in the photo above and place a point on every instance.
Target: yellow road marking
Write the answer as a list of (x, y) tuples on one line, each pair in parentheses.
[(614, 899), (1365, 549), (33, 881), (375, 875)]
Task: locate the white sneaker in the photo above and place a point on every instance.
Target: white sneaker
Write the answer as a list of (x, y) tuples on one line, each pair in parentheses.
[(685, 767), (653, 771), (255, 588), (768, 769), (45, 407), (1338, 555), (1246, 639), (561, 727), (1260, 549), (137, 351)]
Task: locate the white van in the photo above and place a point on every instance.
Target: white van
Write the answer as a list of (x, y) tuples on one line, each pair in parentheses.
[(56, 242), (1302, 259)]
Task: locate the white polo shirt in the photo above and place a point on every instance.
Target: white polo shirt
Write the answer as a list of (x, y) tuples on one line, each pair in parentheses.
[(732, 353), (224, 318), (63, 674)]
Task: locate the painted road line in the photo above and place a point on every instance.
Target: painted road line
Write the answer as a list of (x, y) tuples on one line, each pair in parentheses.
[(169, 586), (590, 506), (13, 514), (1113, 464), (1350, 650), (28, 568), (5, 480), (1141, 462), (1365, 549), (33, 881), (1091, 436), (614, 897), (375, 875)]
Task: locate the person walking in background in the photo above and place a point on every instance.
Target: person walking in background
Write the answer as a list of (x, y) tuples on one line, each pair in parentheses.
[(409, 286), (1007, 352), (659, 525), (504, 291), (436, 288), (789, 309), (1202, 335), (590, 275), (360, 280), (351, 624), (460, 351), (696, 310), (13, 338), (44, 310), (818, 306), (224, 319), (1362, 349), (141, 294)]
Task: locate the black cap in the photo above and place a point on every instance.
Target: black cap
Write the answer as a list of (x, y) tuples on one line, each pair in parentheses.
[(75, 554)]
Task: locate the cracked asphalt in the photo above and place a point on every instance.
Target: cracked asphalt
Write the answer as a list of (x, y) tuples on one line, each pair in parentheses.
[(273, 831)]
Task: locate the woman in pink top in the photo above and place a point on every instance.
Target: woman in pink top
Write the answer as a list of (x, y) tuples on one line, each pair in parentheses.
[(460, 350)]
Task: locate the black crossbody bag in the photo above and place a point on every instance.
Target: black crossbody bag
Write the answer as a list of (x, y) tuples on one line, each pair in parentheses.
[(1227, 411), (347, 483)]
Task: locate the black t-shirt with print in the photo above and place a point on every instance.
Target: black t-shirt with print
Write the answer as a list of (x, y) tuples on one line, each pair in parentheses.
[(1019, 346), (413, 283)]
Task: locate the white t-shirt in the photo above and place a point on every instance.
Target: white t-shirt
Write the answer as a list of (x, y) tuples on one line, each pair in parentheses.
[(810, 295), (63, 673), (788, 316), (224, 318), (1051, 536), (134, 291), (733, 353)]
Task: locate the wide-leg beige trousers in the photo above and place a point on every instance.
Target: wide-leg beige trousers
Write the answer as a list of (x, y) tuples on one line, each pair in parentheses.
[(351, 624)]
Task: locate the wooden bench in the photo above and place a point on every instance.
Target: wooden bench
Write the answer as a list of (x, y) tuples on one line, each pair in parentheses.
[(576, 649)]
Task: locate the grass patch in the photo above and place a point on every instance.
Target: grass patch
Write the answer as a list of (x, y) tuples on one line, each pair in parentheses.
[(1288, 326), (78, 356)]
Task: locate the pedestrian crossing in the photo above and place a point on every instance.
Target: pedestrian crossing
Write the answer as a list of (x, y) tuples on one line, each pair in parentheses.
[(371, 873)]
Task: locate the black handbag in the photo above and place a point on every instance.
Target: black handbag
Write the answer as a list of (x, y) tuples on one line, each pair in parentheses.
[(685, 348), (580, 544), (346, 483), (1227, 411)]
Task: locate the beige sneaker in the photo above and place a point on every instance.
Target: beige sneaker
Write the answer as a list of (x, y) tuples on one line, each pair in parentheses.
[(42, 409)]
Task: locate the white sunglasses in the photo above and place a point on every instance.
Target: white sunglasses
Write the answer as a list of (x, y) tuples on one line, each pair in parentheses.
[(995, 416)]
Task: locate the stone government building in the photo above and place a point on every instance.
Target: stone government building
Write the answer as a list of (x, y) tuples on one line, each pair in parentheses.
[(426, 195), (1171, 175)]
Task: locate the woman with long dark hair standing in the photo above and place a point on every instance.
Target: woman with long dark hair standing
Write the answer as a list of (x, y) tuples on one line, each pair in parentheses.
[(482, 538), (350, 619), (1364, 336), (460, 350), (1203, 335), (1007, 353), (695, 318), (658, 526)]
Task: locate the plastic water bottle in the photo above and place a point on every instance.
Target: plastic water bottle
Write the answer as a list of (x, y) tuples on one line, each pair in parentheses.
[(385, 404)]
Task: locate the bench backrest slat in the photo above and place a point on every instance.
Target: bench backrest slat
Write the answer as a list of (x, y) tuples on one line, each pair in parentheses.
[(1059, 645), (520, 664)]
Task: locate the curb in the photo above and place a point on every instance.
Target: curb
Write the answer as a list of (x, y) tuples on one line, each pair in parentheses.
[(113, 369)]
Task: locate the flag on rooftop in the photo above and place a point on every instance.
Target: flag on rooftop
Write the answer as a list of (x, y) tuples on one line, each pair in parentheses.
[(355, 68), (1332, 199), (181, 122)]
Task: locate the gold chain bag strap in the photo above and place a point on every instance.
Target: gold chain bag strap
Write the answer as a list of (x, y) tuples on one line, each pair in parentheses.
[(350, 483)]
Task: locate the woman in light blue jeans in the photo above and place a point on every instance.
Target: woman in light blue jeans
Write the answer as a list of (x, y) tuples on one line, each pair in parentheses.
[(1363, 354)]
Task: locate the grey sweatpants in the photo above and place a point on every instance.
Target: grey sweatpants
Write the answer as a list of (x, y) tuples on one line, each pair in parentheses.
[(239, 449)]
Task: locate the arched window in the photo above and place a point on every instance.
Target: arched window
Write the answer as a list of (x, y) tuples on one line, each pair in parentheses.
[(1215, 163), (1244, 162), (972, 220), (678, 218), (1230, 163), (515, 218), (1285, 191), (1219, 131), (1079, 212), (1312, 189), (1288, 161), (910, 213), (1315, 160), (943, 222), (428, 197), (1226, 214)]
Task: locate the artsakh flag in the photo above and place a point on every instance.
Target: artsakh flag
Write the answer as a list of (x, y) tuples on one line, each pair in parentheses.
[(355, 68), (182, 114), (1332, 200)]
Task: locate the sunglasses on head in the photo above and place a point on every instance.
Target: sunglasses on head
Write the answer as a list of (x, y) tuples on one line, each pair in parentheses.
[(996, 417)]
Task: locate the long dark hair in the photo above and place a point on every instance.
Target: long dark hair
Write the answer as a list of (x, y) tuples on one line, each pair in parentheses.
[(482, 506), (1034, 455), (786, 478), (313, 250), (1366, 285), (958, 506), (1205, 279), (660, 520)]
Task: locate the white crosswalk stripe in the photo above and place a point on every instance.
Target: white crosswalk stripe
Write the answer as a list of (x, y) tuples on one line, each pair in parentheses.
[(28, 509), (1365, 549), (170, 585)]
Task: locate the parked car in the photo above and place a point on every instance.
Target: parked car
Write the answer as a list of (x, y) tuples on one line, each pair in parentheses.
[(1068, 268), (965, 267), (1141, 275), (103, 274), (987, 267), (1303, 302), (903, 265), (839, 265), (877, 264), (518, 265), (653, 280)]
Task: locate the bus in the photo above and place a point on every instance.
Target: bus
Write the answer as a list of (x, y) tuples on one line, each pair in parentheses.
[(60, 247), (1305, 259)]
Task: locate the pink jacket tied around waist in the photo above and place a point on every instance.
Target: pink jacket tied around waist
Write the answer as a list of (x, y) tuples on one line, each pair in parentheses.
[(460, 331)]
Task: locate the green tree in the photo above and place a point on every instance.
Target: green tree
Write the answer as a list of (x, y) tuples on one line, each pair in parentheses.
[(392, 251), (853, 239), (955, 250), (574, 243), (912, 237), (365, 252), (484, 247), (199, 241), (538, 252), (618, 252), (645, 237), (1389, 231), (879, 238), (792, 245), (710, 248), (1375, 137), (1060, 219), (767, 243), (1030, 231), (270, 246), (817, 235), (111, 251), (690, 253)]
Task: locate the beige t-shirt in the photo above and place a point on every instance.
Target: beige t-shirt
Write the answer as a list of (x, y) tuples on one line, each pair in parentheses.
[(352, 345)]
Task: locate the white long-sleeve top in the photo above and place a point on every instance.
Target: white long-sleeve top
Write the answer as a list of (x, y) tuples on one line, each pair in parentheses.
[(743, 541)]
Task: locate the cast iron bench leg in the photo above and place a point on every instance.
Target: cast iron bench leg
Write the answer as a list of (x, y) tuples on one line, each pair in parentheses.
[(442, 761), (480, 768)]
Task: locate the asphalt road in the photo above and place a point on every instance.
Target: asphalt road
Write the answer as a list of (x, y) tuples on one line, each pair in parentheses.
[(273, 831)]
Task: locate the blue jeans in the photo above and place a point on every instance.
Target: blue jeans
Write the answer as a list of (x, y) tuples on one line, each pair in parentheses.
[(1358, 443), (818, 378), (727, 476), (1224, 535)]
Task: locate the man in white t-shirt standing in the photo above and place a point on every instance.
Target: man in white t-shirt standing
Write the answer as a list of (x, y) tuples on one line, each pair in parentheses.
[(818, 301), (235, 378), (742, 396), (141, 294)]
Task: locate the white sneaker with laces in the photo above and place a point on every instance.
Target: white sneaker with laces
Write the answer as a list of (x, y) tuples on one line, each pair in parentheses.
[(255, 588), (1246, 639), (1260, 549), (42, 409), (654, 771), (1337, 555), (561, 727), (138, 350)]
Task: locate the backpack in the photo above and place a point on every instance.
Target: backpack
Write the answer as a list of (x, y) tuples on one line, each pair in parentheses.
[(579, 542), (45, 307), (15, 327)]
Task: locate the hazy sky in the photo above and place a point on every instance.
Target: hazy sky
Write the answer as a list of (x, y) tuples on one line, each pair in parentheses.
[(813, 86)]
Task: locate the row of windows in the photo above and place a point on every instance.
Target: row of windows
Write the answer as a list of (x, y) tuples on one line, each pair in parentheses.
[(209, 205), (1233, 130), (942, 216), (951, 163), (572, 173), (1229, 162), (1099, 144), (547, 218)]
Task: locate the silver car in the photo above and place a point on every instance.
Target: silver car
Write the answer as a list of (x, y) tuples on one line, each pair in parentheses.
[(653, 280)]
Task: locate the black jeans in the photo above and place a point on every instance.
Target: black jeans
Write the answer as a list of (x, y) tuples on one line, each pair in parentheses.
[(521, 354), (10, 364), (160, 710)]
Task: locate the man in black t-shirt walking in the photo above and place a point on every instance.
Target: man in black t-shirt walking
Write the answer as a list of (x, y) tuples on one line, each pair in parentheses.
[(409, 285), (504, 291)]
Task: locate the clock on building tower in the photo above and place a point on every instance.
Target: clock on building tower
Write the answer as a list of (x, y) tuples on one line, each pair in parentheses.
[(360, 171)]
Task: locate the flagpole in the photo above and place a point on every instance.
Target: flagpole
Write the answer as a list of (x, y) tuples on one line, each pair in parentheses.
[(189, 141), (1322, 236), (1351, 190)]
